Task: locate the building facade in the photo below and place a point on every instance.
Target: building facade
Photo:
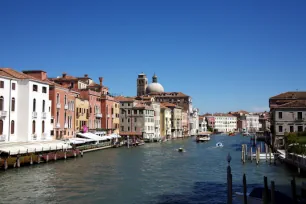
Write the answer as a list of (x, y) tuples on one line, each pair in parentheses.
[(165, 122), (25, 108), (252, 122), (176, 120), (202, 124), (81, 114), (185, 124), (225, 122), (194, 122)]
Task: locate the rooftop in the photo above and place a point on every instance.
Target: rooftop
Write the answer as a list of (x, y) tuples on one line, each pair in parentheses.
[(291, 95)]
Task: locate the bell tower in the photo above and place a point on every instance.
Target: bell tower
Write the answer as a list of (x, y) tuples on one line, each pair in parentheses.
[(142, 83)]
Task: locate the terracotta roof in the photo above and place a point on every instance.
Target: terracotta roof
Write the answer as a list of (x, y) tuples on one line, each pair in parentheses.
[(8, 72), (66, 78), (291, 95), (163, 106), (142, 106), (170, 105), (294, 104), (124, 99), (169, 94)]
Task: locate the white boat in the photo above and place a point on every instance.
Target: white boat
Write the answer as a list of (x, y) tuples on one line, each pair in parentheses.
[(203, 138), (219, 144), (262, 156), (255, 197)]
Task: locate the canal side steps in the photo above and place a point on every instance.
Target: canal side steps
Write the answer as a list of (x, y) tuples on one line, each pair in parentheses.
[(262, 194)]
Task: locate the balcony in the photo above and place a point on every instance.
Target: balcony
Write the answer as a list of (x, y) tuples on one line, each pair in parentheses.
[(66, 125), (66, 107), (34, 115), (98, 115), (58, 105), (299, 119), (58, 125), (3, 114), (44, 115), (2, 138), (34, 137)]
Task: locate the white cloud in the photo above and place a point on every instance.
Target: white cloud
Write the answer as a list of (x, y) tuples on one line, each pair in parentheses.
[(260, 109)]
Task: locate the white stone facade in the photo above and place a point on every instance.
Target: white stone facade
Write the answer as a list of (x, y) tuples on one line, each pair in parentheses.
[(26, 110), (202, 124), (194, 122), (225, 123), (253, 124)]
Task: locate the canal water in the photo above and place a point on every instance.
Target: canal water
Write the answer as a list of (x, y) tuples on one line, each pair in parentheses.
[(150, 174)]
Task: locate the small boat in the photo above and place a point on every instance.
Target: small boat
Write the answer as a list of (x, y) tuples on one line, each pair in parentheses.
[(231, 134), (180, 149), (255, 197), (219, 144)]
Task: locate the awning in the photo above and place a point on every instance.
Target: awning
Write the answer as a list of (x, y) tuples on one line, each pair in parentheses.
[(14, 148)]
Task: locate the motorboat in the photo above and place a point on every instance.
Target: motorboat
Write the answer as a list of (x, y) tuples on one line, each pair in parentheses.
[(256, 195), (219, 144), (203, 138)]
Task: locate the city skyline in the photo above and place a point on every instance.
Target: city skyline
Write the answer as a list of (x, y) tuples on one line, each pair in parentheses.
[(226, 58)]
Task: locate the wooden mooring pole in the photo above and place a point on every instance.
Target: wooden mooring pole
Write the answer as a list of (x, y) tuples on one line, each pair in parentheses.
[(251, 148), (293, 191), (266, 191), (229, 181), (245, 197)]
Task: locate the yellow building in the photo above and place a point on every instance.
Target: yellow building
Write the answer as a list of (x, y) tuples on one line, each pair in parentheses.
[(116, 120), (81, 113)]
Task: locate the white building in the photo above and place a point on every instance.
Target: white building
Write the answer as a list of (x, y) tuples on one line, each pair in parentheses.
[(194, 122), (225, 122), (25, 108), (202, 124), (252, 122)]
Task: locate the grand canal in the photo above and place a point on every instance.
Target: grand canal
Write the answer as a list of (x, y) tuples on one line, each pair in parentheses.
[(153, 173)]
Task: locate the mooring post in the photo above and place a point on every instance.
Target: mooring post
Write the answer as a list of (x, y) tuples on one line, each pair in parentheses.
[(246, 152), (65, 154), (229, 180), (293, 190), (272, 192), (266, 150), (251, 153), (242, 153), (82, 153), (31, 159), (18, 161), (270, 155), (5, 164), (266, 190), (245, 198)]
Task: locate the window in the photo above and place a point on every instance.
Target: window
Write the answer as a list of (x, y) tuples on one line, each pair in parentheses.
[(43, 126), (300, 128), (128, 120), (2, 84), (13, 104), (44, 89), (65, 100), (33, 127), (12, 127), (129, 111), (1, 127), (122, 111), (135, 112), (280, 128), (128, 128), (135, 120), (57, 98), (1, 103), (43, 106), (34, 105), (122, 127), (280, 115), (112, 111), (52, 120), (35, 88), (13, 86), (122, 120), (135, 129), (291, 129), (299, 115), (57, 117)]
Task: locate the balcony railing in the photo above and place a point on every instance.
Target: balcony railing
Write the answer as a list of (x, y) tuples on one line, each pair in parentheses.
[(66, 107), (58, 105), (34, 115), (66, 125), (2, 138), (3, 113), (58, 125), (98, 115), (44, 115), (34, 136), (299, 119)]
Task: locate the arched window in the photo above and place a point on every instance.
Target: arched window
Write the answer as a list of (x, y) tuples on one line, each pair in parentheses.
[(43, 106), (13, 104), (12, 127), (33, 127), (1, 103), (65, 102), (34, 105), (57, 98), (1, 127), (43, 126)]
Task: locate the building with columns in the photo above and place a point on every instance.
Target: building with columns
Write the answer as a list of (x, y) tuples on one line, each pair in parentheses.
[(25, 108)]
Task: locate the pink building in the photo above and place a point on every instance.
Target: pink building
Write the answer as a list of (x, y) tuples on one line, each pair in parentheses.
[(241, 124), (210, 120)]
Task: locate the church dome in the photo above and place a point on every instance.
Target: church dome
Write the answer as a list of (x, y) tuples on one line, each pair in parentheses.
[(155, 87)]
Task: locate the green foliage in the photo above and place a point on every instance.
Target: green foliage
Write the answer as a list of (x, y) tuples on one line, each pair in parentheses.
[(209, 129), (298, 141)]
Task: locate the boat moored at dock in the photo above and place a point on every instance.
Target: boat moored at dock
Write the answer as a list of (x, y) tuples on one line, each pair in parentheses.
[(203, 137)]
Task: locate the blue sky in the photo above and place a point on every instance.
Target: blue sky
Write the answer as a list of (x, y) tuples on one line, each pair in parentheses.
[(227, 55)]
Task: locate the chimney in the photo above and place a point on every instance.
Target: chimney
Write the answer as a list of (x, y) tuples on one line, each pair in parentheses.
[(64, 74), (86, 75), (101, 81)]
